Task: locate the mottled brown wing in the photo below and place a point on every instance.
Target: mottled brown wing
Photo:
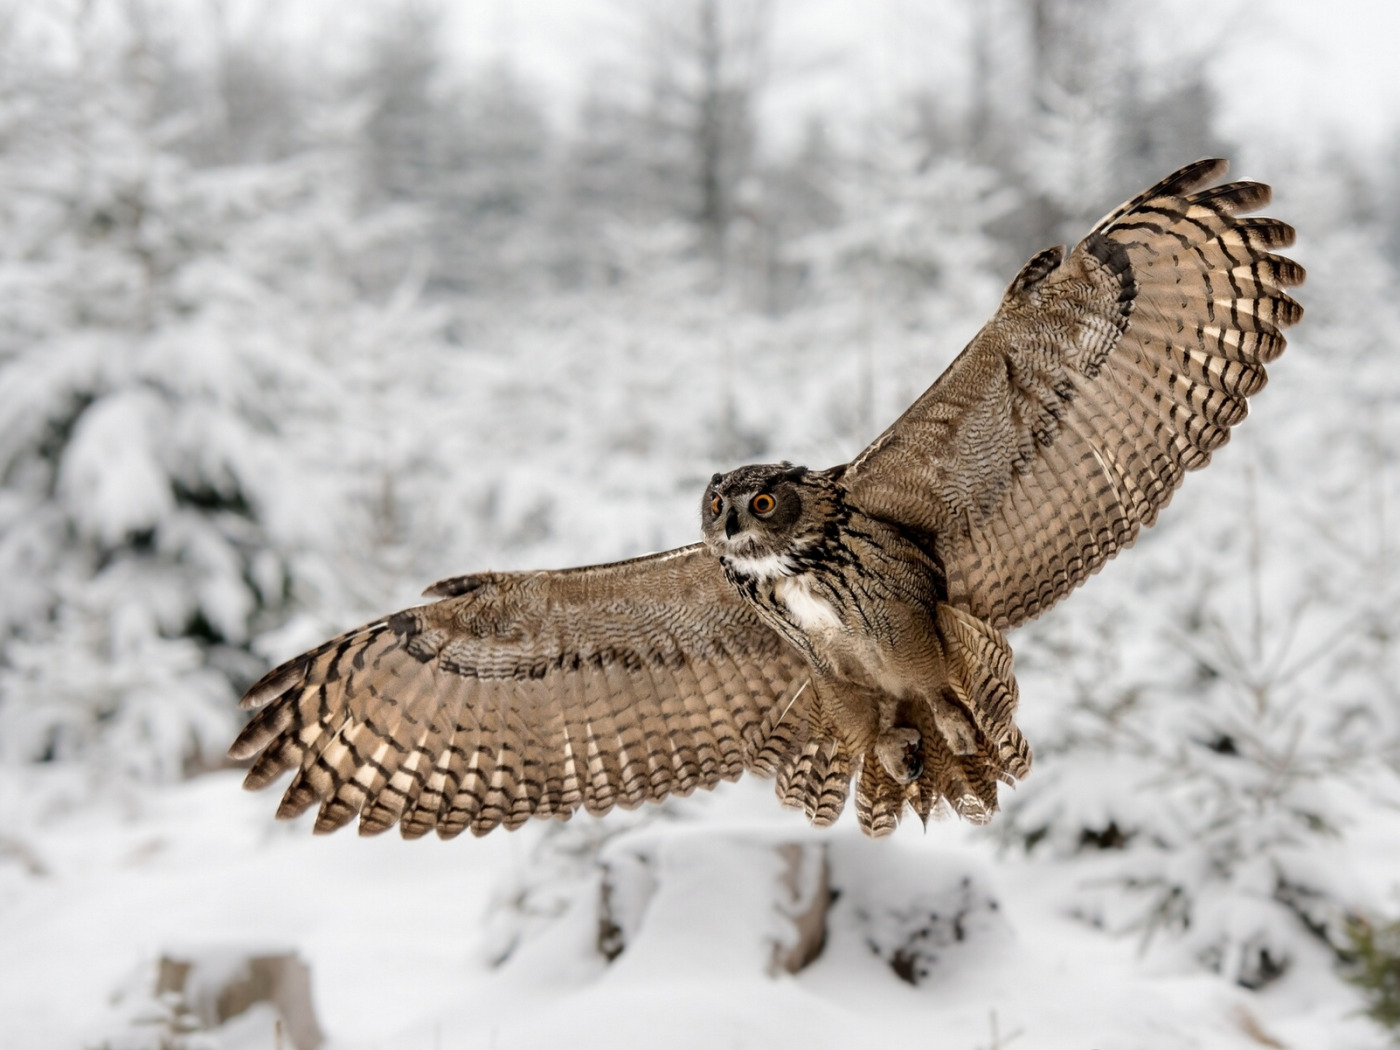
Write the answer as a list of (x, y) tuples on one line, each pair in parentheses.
[(525, 694), (1068, 422)]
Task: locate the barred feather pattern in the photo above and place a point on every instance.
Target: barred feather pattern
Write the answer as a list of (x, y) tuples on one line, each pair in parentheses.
[(983, 684), (526, 695), (1068, 422)]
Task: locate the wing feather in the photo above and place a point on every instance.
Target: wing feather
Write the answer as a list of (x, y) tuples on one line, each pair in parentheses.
[(525, 694), (1107, 374)]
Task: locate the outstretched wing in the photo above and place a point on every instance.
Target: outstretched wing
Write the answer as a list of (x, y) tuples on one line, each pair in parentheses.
[(526, 694), (1068, 422)]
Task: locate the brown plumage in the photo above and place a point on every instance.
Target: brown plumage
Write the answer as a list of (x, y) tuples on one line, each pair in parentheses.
[(525, 694), (835, 625)]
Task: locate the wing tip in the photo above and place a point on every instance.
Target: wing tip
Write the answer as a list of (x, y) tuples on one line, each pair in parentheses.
[(1180, 182), (296, 801), (275, 683), (243, 749), (1193, 176), (1234, 198)]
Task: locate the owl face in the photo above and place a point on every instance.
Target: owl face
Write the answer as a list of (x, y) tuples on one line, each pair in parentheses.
[(757, 512)]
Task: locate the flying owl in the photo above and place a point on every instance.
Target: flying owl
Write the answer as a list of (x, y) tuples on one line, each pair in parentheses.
[(833, 625)]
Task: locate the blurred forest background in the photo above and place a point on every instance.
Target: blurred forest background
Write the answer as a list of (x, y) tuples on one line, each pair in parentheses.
[(283, 340)]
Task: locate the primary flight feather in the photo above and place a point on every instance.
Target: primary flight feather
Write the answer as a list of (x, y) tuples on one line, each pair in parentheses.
[(834, 626)]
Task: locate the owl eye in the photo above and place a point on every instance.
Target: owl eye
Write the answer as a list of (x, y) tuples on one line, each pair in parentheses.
[(763, 504), (715, 505)]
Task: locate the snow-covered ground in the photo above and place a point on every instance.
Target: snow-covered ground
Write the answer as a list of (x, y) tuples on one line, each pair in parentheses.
[(402, 938)]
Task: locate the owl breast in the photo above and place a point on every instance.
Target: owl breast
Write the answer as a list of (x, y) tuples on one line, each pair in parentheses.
[(813, 614), (792, 602)]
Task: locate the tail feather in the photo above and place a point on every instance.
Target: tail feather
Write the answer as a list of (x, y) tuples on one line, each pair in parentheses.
[(812, 762), (831, 791), (816, 779), (879, 798)]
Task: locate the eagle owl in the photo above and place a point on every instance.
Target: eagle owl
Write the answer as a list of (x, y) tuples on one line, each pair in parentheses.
[(834, 625)]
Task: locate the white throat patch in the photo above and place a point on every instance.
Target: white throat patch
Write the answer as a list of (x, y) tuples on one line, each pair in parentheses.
[(768, 567)]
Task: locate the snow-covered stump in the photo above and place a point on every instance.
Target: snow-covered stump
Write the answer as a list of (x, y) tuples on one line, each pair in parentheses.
[(215, 986), (741, 901), (667, 901), (720, 901)]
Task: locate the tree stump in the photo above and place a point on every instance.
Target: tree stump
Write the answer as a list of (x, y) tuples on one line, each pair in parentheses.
[(217, 985)]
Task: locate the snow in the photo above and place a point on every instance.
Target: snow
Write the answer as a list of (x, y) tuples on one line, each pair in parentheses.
[(394, 935)]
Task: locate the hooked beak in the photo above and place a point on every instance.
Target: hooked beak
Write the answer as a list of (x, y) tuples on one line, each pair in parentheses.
[(731, 524)]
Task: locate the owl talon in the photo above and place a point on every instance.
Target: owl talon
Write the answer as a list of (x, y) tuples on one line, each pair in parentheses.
[(901, 752), (914, 765)]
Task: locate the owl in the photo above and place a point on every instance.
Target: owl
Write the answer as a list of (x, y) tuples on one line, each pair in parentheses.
[(833, 627)]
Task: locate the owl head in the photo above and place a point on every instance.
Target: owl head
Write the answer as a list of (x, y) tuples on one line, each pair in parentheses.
[(766, 511)]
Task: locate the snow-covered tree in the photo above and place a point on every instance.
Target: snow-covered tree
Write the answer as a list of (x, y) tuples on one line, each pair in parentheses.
[(1065, 105), (906, 277), (470, 151), (178, 347)]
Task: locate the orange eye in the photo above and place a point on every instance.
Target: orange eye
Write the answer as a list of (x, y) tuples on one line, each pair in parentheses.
[(763, 504), (715, 505)]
